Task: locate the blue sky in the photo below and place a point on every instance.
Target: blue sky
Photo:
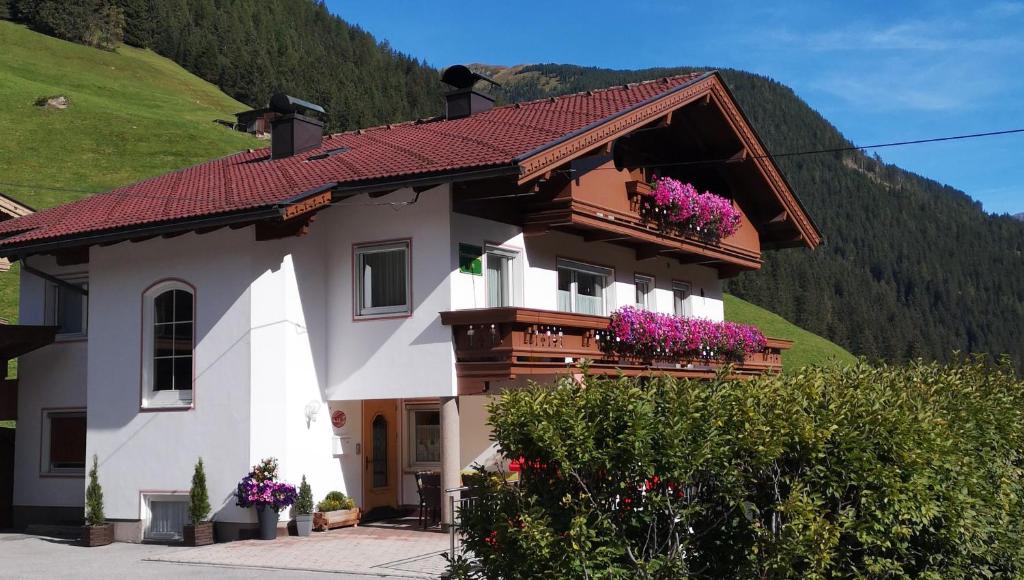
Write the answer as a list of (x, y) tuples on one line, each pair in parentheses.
[(879, 71)]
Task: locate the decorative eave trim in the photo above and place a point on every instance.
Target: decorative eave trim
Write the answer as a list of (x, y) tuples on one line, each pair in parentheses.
[(542, 160)]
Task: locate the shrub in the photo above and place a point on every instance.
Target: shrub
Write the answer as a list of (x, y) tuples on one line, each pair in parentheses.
[(335, 500), (304, 504), (94, 497), (198, 496), (831, 472)]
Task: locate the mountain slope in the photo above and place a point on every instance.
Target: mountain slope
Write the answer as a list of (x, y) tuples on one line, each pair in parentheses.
[(808, 348), (133, 115), (910, 267)]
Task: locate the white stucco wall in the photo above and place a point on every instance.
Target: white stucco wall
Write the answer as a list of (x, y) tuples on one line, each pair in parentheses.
[(408, 356), (156, 450), (540, 279), (50, 378)]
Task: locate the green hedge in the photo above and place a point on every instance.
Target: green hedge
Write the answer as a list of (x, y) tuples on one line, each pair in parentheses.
[(832, 472)]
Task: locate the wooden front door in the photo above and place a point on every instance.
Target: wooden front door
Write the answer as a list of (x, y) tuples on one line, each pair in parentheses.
[(380, 453)]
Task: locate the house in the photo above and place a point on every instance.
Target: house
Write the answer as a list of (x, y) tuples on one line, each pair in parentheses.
[(11, 208), (349, 303)]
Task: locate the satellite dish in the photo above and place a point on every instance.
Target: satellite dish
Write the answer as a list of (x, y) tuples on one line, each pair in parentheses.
[(460, 77)]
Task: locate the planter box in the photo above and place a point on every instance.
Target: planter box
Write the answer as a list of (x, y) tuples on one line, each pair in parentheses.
[(200, 534), (336, 519), (93, 536)]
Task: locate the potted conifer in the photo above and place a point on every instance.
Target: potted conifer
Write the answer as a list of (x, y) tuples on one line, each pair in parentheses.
[(96, 531), (199, 532), (303, 509)]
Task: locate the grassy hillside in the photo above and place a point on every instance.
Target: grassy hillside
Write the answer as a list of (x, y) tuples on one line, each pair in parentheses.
[(133, 115), (808, 348)]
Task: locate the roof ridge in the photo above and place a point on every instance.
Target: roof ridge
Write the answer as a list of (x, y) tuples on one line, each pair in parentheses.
[(519, 104)]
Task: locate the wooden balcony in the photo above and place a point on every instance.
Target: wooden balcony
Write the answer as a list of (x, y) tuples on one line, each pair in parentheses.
[(607, 205), (508, 344)]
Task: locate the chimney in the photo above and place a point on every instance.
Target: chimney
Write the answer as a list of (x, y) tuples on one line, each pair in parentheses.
[(462, 100), (294, 132)]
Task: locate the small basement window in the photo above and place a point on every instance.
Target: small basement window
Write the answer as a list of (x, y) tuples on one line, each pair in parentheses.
[(166, 516), (63, 445)]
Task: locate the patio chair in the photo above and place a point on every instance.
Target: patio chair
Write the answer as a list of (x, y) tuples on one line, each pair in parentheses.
[(428, 486)]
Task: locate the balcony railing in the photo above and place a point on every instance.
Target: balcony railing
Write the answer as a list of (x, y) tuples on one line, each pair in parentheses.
[(496, 344)]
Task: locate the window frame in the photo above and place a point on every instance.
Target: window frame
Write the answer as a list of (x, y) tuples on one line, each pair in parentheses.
[(576, 266), (163, 400), (649, 303), (410, 444), (376, 313), (512, 284), (51, 304), (45, 438), (686, 305)]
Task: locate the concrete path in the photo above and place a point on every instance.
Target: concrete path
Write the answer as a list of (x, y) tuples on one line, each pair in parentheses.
[(23, 557), (376, 550), (357, 553)]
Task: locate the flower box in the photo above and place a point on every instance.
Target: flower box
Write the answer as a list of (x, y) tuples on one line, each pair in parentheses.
[(678, 208), (335, 519), (200, 534), (93, 536), (652, 338)]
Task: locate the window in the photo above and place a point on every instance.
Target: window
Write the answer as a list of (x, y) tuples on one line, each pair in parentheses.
[(166, 516), (64, 442), (424, 437), (501, 277), (168, 345), (382, 280), (644, 291), (680, 293), (582, 288), (66, 308)]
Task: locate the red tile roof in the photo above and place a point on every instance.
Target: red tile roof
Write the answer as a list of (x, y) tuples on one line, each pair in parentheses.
[(251, 180)]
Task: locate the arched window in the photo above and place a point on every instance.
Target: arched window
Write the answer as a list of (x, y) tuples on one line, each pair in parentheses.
[(168, 344)]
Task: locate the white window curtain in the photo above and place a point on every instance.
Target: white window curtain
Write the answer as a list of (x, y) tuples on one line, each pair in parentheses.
[(582, 288), (500, 277), (680, 293), (167, 519), (644, 286)]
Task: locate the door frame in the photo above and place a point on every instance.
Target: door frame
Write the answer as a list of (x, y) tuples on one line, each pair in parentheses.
[(386, 496)]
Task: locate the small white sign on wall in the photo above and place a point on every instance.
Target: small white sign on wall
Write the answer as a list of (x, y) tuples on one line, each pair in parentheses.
[(341, 446)]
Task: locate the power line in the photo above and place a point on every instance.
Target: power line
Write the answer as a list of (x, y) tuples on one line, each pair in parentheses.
[(671, 164), (836, 149)]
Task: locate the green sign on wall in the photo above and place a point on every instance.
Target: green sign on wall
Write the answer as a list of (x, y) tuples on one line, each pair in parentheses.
[(471, 259)]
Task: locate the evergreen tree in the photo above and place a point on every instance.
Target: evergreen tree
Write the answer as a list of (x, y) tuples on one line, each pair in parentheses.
[(94, 497), (304, 503), (198, 496)]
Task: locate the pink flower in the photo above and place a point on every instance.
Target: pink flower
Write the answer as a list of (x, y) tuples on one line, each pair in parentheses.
[(679, 205), (645, 335)]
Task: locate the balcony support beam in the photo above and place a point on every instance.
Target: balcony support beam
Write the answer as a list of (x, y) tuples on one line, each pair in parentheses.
[(451, 456)]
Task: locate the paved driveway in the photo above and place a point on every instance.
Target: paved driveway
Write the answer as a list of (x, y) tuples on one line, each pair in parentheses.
[(351, 553), (375, 550)]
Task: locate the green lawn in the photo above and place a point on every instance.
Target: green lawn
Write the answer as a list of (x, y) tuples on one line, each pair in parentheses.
[(808, 348), (133, 115)]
